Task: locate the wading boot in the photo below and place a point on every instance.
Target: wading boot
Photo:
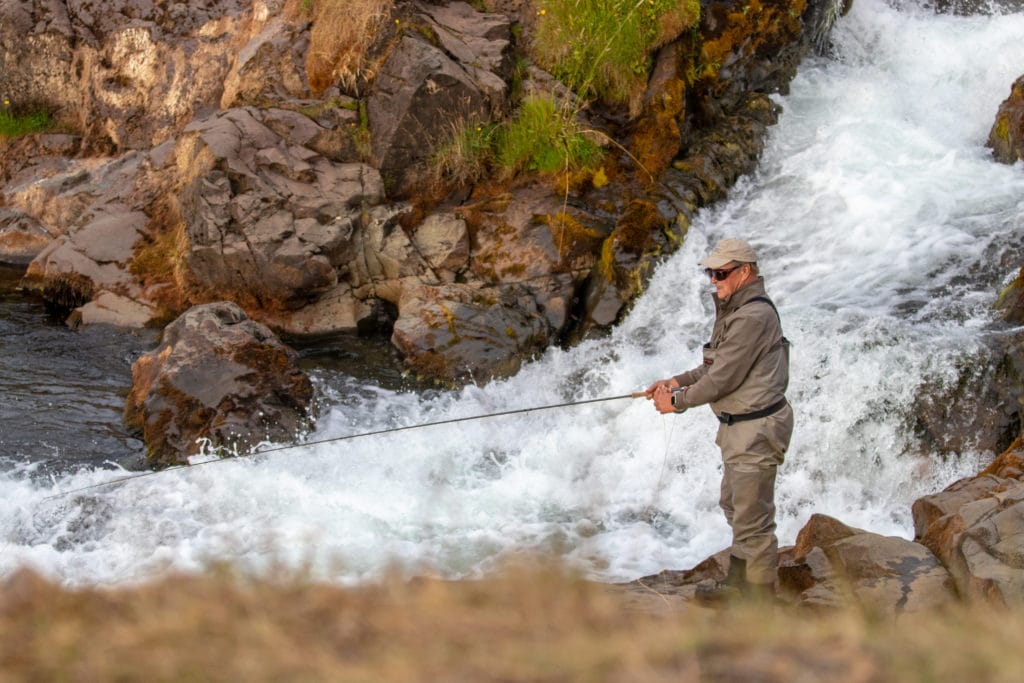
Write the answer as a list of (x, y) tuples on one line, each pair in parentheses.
[(732, 588)]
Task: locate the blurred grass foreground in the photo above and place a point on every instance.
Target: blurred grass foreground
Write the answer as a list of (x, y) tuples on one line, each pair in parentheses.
[(537, 624)]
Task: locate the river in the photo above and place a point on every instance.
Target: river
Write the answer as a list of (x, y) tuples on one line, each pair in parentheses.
[(884, 230)]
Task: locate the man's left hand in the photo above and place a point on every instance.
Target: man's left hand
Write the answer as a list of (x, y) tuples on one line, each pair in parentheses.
[(663, 399)]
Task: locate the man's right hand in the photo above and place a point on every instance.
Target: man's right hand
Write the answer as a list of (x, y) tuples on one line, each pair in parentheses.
[(669, 383)]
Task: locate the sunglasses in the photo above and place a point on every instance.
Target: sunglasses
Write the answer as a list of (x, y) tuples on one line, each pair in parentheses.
[(719, 274)]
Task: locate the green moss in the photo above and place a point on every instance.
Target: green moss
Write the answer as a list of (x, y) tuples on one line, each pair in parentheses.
[(1002, 128)]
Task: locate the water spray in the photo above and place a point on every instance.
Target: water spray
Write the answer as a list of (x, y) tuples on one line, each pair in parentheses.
[(361, 435)]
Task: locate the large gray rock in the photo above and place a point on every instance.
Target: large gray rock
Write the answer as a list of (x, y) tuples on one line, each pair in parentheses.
[(268, 221), (423, 90), (98, 204), (219, 376)]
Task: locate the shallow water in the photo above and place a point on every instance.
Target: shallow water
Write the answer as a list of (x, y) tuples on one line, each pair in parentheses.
[(63, 391), (884, 231)]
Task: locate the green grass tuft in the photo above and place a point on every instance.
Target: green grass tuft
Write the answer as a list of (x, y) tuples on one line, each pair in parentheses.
[(14, 124), (545, 138), (603, 48)]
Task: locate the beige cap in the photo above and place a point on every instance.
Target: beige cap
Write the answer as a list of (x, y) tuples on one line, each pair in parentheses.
[(727, 251)]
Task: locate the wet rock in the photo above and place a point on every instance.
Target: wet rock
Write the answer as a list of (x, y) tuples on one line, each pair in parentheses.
[(1006, 139), (979, 407), (219, 376), (1010, 303), (978, 7)]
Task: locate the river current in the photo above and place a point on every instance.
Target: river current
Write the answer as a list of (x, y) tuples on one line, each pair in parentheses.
[(884, 230)]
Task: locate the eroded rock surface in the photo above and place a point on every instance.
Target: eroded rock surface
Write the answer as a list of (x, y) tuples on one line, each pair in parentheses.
[(218, 376)]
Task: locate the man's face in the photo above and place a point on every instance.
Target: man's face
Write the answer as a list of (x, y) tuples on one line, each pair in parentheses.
[(736, 275)]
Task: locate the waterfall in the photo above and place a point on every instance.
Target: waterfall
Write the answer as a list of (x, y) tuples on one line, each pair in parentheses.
[(884, 231)]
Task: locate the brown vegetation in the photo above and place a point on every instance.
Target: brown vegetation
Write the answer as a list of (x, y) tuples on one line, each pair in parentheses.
[(339, 37), (534, 624)]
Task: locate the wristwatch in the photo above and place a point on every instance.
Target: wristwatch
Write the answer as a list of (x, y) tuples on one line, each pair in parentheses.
[(674, 394)]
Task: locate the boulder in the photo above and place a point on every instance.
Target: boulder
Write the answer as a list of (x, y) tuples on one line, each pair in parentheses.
[(458, 333), (978, 405), (21, 238), (219, 376), (1006, 139), (978, 536), (832, 563)]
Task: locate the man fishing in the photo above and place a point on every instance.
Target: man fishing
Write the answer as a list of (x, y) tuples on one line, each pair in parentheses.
[(744, 377)]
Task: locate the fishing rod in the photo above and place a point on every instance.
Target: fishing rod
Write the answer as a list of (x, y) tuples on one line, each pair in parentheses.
[(320, 442)]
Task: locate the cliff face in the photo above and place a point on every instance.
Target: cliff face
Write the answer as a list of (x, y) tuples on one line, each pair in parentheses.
[(214, 153)]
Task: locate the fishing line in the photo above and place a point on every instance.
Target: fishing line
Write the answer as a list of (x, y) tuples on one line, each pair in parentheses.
[(320, 442)]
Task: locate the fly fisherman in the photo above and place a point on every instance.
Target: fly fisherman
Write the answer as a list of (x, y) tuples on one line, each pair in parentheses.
[(744, 377)]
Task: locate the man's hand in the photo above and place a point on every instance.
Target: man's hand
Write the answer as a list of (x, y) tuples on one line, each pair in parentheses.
[(669, 383), (663, 399)]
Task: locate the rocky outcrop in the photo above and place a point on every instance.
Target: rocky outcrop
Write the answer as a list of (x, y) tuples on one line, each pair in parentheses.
[(427, 88), (1006, 139), (833, 565), (217, 376), (266, 220), (966, 547), (204, 167), (975, 527)]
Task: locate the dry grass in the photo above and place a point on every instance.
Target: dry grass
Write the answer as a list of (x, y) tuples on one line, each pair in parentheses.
[(525, 625), (341, 33)]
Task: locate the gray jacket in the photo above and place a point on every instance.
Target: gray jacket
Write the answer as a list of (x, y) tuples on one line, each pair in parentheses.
[(746, 363)]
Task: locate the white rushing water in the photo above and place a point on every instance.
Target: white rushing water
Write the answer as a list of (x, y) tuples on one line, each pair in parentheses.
[(874, 197)]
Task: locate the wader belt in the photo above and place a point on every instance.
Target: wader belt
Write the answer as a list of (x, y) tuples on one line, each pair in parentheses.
[(729, 418)]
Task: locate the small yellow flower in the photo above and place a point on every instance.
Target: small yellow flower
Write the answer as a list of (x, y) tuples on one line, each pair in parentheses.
[(541, 12), (397, 22)]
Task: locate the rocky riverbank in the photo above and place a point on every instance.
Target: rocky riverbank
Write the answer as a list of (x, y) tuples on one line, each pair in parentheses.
[(203, 156), (204, 167)]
